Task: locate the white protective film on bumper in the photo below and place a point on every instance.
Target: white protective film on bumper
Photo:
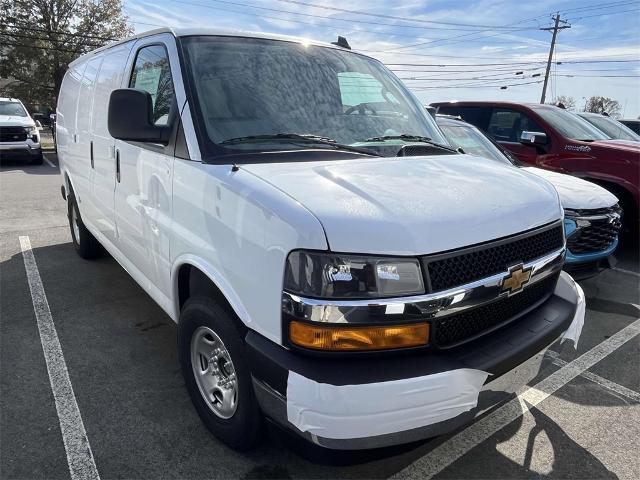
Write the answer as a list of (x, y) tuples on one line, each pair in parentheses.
[(367, 410), (568, 289)]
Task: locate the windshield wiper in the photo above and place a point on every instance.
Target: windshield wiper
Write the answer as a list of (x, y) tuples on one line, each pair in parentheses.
[(298, 137), (410, 138)]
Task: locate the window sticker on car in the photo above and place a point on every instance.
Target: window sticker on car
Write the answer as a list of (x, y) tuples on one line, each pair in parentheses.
[(148, 79)]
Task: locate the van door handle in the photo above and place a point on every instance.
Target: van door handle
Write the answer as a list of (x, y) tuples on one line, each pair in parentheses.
[(91, 152), (118, 166)]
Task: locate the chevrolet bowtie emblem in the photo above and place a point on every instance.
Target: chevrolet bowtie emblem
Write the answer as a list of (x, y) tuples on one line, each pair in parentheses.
[(517, 278)]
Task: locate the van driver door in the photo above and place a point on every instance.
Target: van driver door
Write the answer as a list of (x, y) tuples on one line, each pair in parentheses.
[(143, 207)]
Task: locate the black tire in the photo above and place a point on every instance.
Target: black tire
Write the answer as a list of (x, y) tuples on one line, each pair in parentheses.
[(37, 160), (86, 244), (245, 428)]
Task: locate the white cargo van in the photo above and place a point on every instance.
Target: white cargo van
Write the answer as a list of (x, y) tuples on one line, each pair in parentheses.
[(331, 263)]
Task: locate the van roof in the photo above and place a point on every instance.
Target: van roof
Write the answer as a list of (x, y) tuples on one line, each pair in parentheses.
[(188, 31)]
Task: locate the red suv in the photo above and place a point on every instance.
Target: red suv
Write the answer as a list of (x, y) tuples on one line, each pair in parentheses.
[(553, 138)]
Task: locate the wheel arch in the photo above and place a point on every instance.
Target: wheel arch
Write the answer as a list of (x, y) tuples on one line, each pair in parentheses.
[(620, 190), (192, 276)]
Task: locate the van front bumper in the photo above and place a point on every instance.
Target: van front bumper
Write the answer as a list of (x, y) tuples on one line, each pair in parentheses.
[(387, 384)]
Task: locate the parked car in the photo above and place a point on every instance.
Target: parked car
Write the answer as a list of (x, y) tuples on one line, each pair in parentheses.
[(19, 135), (633, 124), (610, 126), (591, 213), (254, 187), (555, 139)]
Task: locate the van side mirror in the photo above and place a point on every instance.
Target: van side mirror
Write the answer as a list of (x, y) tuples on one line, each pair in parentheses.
[(533, 138), (130, 117)]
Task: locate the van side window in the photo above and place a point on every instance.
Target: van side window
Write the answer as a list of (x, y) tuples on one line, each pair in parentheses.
[(507, 125), (152, 73)]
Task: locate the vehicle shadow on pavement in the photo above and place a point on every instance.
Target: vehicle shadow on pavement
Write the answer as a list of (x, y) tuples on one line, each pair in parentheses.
[(548, 453), (120, 347), (10, 164)]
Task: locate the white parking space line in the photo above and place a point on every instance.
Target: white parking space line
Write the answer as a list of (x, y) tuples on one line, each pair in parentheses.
[(51, 164), (628, 272), (454, 448), (603, 382), (79, 455)]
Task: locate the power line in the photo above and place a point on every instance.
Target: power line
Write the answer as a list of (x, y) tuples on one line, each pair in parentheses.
[(378, 15), (323, 17), (569, 62), (46, 39), (59, 32), (13, 44), (599, 6), (606, 13), (498, 85)]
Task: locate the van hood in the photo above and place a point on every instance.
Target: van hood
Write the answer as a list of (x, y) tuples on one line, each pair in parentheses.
[(576, 193), (414, 205), (16, 121)]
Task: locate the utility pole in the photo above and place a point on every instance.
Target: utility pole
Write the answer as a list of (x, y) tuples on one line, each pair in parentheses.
[(555, 29)]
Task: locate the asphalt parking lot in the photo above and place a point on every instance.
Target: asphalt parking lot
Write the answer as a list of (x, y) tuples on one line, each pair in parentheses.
[(580, 417)]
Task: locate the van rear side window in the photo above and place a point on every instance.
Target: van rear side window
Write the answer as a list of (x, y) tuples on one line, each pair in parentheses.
[(152, 73)]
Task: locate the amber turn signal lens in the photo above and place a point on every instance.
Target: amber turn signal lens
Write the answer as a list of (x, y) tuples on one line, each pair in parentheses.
[(342, 338)]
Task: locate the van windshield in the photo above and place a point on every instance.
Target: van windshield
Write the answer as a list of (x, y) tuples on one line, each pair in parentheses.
[(13, 109), (265, 95), (569, 124)]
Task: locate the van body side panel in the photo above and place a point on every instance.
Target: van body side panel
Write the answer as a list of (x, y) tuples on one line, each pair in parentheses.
[(66, 116), (103, 173), (80, 153), (243, 229)]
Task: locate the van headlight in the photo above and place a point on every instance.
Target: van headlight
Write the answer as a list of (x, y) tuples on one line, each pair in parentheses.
[(337, 275)]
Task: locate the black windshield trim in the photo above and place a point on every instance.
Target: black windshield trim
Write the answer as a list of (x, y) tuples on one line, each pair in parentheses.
[(286, 156)]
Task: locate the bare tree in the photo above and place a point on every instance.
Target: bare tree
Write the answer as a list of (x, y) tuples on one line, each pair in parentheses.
[(39, 38), (603, 105), (568, 102)]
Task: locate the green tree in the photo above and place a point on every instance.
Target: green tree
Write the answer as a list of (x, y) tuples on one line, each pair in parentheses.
[(39, 38), (603, 105)]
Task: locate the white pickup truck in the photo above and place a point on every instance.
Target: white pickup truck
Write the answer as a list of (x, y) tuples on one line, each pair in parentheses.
[(19, 134), (331, 263)]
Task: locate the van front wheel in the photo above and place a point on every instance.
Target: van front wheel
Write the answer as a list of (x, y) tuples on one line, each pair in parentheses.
[(86, 244), (216, 373)]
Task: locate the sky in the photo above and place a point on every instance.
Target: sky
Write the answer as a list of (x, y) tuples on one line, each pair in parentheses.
[(450, 49)]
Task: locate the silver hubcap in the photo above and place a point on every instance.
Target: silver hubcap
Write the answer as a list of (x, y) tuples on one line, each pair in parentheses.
[(75, 225), (214, 372)]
